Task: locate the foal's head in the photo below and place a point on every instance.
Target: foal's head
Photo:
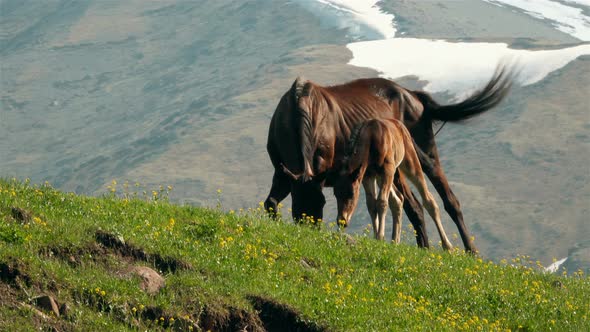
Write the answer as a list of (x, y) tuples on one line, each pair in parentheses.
[(346, 190), (347, 185)]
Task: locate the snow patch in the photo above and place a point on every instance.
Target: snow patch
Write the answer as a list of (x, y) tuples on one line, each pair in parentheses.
[(458, 68), (555, 265), (363, 18), (568, 19)]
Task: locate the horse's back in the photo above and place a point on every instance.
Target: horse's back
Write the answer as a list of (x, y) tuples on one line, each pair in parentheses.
[(378, 138), (369, 89)]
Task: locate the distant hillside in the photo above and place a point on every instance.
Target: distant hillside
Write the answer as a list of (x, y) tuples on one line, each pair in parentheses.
[(93, 90)]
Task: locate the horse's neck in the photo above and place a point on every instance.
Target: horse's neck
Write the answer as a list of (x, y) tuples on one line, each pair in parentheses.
[(360, 141)]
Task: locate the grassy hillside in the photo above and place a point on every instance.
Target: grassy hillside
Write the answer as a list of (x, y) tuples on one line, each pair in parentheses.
[(228, 271)]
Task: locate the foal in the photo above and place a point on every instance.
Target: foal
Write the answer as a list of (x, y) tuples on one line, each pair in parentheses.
[(377, 149)]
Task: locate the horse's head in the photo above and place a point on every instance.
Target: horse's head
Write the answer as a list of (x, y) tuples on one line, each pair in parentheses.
[(346, 190), (307, 196), (308, 200)]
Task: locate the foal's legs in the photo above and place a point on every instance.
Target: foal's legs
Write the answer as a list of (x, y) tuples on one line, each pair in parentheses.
[(370, 185), (281, 187), (385, 190), (396, 200), (412, 170), (395, 203), (431, 207)]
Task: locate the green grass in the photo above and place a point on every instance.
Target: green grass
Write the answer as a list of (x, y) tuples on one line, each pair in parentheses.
[(229, 257)]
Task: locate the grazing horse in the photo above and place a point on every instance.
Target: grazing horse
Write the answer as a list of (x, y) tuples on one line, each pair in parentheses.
[(310, 126), (377, 149)]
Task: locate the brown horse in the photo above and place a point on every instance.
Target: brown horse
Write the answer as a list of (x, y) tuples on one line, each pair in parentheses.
[(377, 149), (311, 124)]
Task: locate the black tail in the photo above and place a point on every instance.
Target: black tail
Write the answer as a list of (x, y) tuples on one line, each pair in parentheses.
[(487, 98)]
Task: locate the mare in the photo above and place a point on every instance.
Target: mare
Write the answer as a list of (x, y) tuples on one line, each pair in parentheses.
[(311, 123), (376, 150)]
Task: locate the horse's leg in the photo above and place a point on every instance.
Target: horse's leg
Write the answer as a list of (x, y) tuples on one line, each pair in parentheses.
[(395, 205), (386, 182), (411, 167), (281, 187), (371, 200), (413, 210), (415, 175), (428, 155), (451, 203)]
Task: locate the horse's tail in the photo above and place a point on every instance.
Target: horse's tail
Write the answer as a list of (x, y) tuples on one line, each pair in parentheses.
[(487, 98), (301, 92)]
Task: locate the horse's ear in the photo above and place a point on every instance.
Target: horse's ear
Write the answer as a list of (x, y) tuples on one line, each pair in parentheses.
[(301, 90), (299, 81), (297, 88)]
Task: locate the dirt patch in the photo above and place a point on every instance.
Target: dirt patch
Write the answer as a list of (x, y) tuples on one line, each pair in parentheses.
[(14, 296), (117, 244), (309, 263), (21, 215), (46, 322), (76, 256), (217, 316), (164, 319), (280, 317), (223, 318), (12, 273), (148, 318), (9, 296)]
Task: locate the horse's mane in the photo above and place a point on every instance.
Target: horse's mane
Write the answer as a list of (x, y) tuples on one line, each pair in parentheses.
[(352, 141), (301, 89)]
